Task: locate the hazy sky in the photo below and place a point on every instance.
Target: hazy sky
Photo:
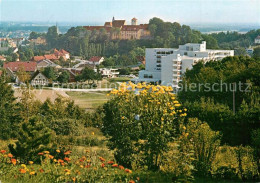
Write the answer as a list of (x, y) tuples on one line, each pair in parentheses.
[(98, 11)]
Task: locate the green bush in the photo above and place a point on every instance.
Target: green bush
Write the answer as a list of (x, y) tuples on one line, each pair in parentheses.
[(205, 144)]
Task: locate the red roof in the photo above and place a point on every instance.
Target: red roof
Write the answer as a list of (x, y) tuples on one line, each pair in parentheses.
[(61, 52), (118, 23), (27, 66), (38, 58), (51, 57), (95, 59)]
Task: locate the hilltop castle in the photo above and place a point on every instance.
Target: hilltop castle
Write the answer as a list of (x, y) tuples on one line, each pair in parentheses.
[(118, 29)]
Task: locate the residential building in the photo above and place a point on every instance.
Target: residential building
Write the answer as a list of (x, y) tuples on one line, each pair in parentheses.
[(13, 67), (166, 65), (46, 63), (96, 60), (38, 41), (62, 53), (257, 40), (108, 72), (39, 79), (118, 29)]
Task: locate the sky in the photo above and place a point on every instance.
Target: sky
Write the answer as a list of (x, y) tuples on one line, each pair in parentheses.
[(98, 11)]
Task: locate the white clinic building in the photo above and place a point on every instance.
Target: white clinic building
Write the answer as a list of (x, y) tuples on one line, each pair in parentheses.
[(166, 65)]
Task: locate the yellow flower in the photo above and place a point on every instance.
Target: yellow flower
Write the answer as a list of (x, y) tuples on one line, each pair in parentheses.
[(122, 117), (92, 133), (32, 173), (177, 105), (58, 151), (23, 165), (162, 118), (30, 162)]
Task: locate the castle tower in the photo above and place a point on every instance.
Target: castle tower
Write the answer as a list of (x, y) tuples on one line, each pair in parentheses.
[(134, 21), (113, 19)]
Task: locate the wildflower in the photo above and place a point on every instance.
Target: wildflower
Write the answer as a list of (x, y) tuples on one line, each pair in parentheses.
[(51, 157), (101, 159), (115, 165), (137, 178), (13, 161), (23, 165), (102, 165), (3, 151), (22, 170), (162, 118), (32, 173), (46, 152), (110, 162), (74, 179), (81, 166), (128, 171), (121, 167), (92, 133), (10, 155), (177, 105), (67, 152), (131, 181), (30, 162), (60, 161), (67, 159), (41, 170), (122, 117), (40, 153), (58, 151)]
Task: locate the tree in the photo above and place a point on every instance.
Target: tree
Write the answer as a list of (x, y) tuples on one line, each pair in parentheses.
[(256, 53), (64, 77), (33, 137), (7, 109), (52, 36), (50, 73)]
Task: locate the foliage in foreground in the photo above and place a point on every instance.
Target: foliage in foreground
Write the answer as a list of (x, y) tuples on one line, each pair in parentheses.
[(88, 168), (141, 125)]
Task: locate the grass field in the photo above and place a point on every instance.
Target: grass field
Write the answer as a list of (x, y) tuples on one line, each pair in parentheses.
[(89, 100)]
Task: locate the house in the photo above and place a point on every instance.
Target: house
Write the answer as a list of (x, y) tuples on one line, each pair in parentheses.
[(108, 72), (2, 58), (46, 63), (38, 41), (96, 60), (257, 40), (13, 67), (62, 53), (44, 57), (39, 79), (166, 65)]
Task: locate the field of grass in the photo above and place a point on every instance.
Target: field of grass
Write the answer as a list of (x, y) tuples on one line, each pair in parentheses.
[(89, 100)]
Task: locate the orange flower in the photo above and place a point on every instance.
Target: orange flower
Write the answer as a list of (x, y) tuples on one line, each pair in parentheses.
[(67, 152), (87, 166), (40, 153), (46, 152), (115, 165), (3, 151), (137, 178), (121, 167), (67, 159), (101, 159), (128, 171), (10, 155), (58, 151), (131, 181), (22, 170), (51, 157), (13, 161), (30, 162), (102, 165), (60, 161), (74, 179), (110, 162), (41, 170)]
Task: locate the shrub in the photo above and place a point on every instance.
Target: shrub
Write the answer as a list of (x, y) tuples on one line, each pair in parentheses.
[(142, 123), (205, 143), (33, 137)]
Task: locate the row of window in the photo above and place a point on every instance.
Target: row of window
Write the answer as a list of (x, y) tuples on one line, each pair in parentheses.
[(148, 76)]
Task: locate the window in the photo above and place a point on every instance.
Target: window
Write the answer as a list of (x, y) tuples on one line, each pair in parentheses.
[(185, 53), (145, 75)]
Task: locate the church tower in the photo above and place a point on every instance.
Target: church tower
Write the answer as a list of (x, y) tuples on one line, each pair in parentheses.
[(134, 21)]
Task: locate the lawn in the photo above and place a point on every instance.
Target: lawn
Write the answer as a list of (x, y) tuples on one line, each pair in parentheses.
[(88, 100)]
